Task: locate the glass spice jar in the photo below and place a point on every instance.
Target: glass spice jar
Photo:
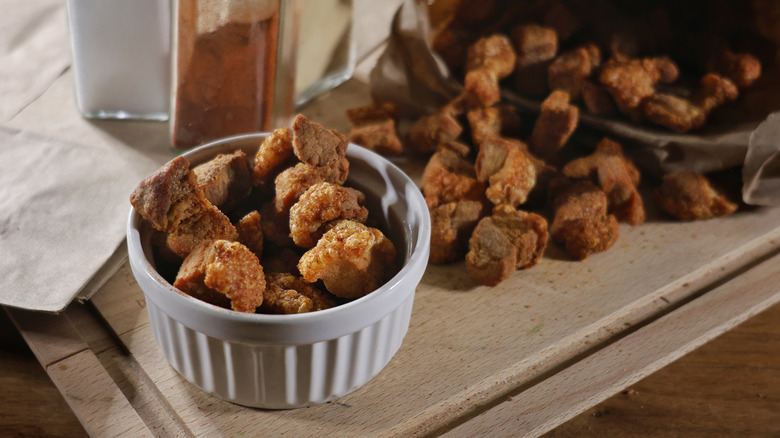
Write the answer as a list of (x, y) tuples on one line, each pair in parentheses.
[(233, 67)]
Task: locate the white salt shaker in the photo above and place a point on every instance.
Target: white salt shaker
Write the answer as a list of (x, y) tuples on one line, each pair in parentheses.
[(121, 58)]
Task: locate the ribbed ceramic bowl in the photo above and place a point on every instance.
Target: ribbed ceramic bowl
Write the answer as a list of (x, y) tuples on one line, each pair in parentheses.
[(288, 361)]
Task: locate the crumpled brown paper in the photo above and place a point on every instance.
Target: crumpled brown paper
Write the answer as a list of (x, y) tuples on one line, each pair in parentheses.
[(410, 74)]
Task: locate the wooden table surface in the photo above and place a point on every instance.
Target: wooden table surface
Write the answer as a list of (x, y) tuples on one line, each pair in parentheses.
[(728, 387)]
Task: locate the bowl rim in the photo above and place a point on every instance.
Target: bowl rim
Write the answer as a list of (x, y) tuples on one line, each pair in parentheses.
[(296, 328)]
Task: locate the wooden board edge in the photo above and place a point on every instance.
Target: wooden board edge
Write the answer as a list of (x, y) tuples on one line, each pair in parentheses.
[(540, 408)]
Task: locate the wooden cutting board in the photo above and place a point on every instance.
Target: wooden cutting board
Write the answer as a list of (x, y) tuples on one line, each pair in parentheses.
[(514, 360)]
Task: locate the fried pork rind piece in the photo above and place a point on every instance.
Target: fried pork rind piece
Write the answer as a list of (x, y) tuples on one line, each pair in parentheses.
[(273, 155), (681, 114), (597, 99), (211, 224), (496, 121), (536, 46), (741, 68), (294, 181), (250, 232), (714, 91), (580, 220), (676, 113), (493, 53), (429, 131), (169, 196), (219, 272), (570, 70), (504, 242), (556, 123), (449, 178), (286, 293), (320, 204), (690, 196), (451, 226), (481, 89), (351, 259), (614, 172), (508, 169), (374, 126), (225, 180), (317, 146), (632, 81)]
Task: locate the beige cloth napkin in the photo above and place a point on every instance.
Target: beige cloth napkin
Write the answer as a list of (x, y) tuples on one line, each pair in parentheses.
[(33, 51), (64, 180)]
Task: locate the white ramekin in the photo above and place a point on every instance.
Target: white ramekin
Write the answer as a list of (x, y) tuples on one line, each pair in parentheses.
[(288, 361)]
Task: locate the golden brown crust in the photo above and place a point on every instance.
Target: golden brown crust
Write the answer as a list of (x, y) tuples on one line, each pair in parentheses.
[(507, 240), (169, 196), (250, 232), (494, 53), (293, 182), (451, 226), (690, 196), (226, 268), (380, 136), (321, 204), (580, 219), (556, 123), (225, 180), (429, 131), (273, 155), (209, 225), (286, 293), (614, 172), (315, 145), (450, 178), (351, 259)]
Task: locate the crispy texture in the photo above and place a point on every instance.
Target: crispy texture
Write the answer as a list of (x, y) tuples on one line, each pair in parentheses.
[(225, 180), (380, 136), (690, 196), (714, 91), (480, 88), (286, 293), (429, 131), (508, 169), (494, 53), (351, 259), (451, 226), (673, 112), (614, 172), (632, 81), (450, 178), (317, 146), (250, 232), (556, 123), (169, 196), (495, 121), (580, 220), (220, 270), (536, 46), (570, 70), (294, 181), (321, 204), (508, 240), (273, 155), (209, 225)]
